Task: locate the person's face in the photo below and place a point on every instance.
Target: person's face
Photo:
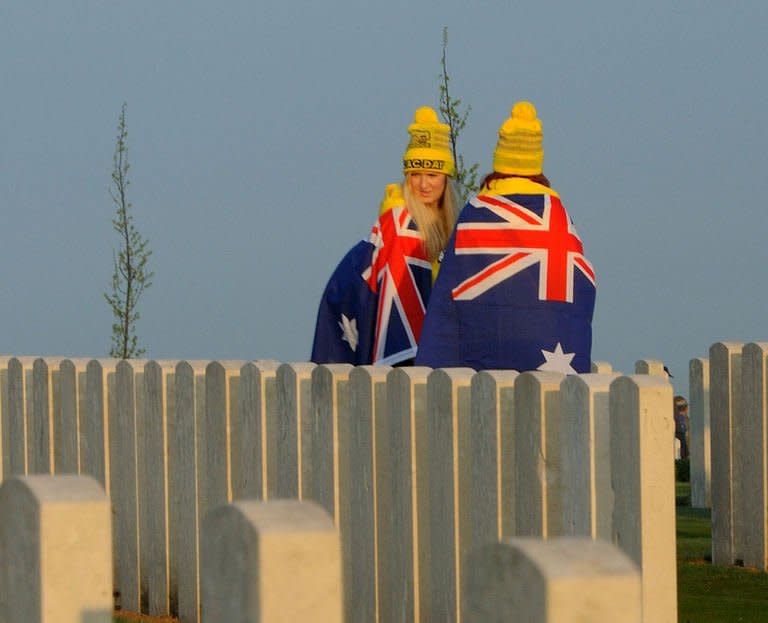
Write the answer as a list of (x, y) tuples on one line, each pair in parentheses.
[(428, 187)]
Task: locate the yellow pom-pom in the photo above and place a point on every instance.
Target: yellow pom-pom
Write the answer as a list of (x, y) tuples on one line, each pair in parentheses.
[(524, 111), (425, 114)]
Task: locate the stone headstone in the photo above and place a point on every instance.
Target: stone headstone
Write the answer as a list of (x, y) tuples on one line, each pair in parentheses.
[(560, 580), (55, 550), (124, 402), (45, 391), (276, 561), (155, 466), (289, 434), (18, 401), (493, 456), (66, 416), (191, 456), (222, 434), (94, 421), (755, 453), (257, 394), (403, 524), (654, 367), (450, 485), (330, 396), (586, 458), (362, 426), (538, 454), (725, 405), (642, 474), (700, 433), (601, 367)]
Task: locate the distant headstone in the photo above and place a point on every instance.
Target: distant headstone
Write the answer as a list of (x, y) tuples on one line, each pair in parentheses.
[(654, 367), (601, 367), (701, 435)]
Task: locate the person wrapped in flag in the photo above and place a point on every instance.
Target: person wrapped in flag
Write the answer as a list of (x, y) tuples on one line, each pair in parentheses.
[(515, 290), (372, 309)]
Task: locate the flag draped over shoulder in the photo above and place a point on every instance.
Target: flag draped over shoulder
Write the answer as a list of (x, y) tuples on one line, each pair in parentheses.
[(515, 290), (347, 312), (373, 307)]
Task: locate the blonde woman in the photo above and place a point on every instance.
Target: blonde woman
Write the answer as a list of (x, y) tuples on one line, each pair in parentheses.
[(373, 307)]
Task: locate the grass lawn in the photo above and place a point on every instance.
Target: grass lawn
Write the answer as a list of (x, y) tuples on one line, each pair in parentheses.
[(705, 593)]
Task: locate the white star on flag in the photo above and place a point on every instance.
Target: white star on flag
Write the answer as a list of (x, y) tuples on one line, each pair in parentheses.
[(349, 331), (557, 361)]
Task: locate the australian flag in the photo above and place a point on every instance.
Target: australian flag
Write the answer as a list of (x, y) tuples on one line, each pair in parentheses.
[(515, 290), (373, 307)]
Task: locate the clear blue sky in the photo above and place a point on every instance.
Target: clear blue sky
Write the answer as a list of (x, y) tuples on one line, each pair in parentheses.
[(261, 135)]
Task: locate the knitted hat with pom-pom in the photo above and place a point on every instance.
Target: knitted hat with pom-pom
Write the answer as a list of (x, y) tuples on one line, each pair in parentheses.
[(519, 150), (393, 198), (429, 150)]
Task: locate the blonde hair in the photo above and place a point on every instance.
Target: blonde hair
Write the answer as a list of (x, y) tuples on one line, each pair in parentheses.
[(436, 226)]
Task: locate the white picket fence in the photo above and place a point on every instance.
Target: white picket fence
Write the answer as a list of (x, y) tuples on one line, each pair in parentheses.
[(417, 468)]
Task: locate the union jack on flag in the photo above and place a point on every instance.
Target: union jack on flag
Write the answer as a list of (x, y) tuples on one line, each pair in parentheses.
[(401, 274), (515, 290), (522, 238)]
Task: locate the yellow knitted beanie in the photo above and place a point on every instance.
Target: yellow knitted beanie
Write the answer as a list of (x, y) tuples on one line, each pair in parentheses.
[(429, 150), (393, 198), (519, 149)]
